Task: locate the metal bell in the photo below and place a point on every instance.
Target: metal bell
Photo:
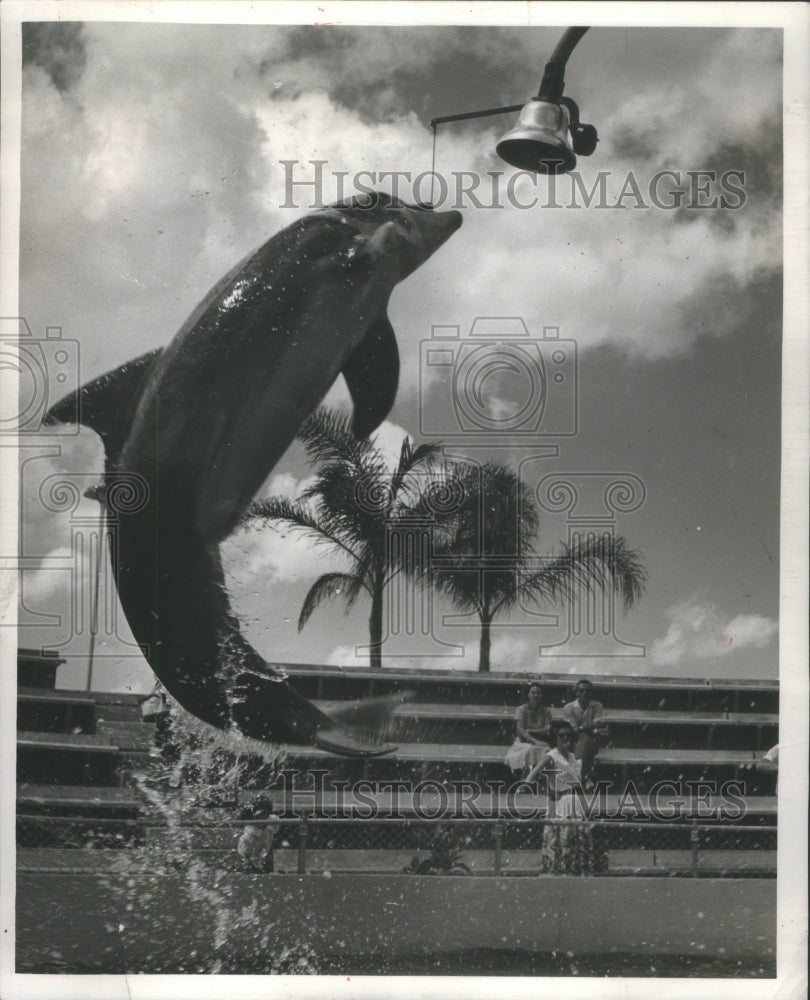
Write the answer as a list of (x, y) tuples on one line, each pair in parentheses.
[(540, 141)]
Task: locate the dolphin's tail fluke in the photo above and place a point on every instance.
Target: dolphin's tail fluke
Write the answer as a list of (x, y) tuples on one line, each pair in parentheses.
[(177, 604), (267, 708), (369, 715)]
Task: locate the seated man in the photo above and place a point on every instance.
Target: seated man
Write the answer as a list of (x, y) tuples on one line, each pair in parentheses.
[(585, 718)]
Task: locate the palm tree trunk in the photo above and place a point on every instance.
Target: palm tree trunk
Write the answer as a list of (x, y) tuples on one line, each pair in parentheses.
[(375, 629), (486, 644)]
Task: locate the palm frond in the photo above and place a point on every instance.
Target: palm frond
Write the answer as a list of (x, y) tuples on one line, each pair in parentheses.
[(299, 517), (279, 508), (424, 453), (328, 587), (409, 459), (351, 506), (462, 585), (616, 566), (327, 436), (601, 563)]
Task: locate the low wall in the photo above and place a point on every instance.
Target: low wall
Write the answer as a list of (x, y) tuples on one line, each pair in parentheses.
[(150, 923)]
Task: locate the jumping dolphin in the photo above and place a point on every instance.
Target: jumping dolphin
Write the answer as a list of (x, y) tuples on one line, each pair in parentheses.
[(201, 424)]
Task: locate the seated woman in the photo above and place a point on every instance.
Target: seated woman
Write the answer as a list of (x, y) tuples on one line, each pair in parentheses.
[(532, 724), (568, 847)]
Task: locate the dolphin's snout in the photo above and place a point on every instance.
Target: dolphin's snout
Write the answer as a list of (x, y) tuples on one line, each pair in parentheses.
[(454, 220), (437, 227)]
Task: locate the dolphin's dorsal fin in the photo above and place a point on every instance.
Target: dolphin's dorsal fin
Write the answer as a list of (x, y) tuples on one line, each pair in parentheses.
[(372, 375), (108, 404)]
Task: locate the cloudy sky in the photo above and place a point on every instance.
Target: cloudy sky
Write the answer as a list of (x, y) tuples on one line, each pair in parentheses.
[(151, 163)]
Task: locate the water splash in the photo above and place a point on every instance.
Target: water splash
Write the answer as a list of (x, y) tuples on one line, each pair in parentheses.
[(197, 780)]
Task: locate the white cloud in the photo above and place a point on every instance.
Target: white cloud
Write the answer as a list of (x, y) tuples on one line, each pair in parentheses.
[(56, 583), (697, 630), (284, 484), (347, 656), (260, 555), (508, 653), (169, 171)]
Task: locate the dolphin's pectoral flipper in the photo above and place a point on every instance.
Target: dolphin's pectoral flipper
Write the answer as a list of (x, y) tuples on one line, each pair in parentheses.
[(372, 376), (108, 404)]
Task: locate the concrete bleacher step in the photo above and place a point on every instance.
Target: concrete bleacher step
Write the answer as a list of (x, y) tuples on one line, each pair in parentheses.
[(642, 757), (132, 741), (128, 735), (73, 758), (473, 754), (118, 713), (86, 743), (36, 668), (426, 722), (687, 694), (54, 696), (41, 709), (85, 797), (485, 763), (616, 715)]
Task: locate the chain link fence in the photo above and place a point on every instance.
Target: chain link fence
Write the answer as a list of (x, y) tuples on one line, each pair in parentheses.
[(221, 839)]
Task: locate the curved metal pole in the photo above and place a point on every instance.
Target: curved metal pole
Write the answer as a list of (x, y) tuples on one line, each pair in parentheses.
[(567, 44), (102, 527), (96, 493), (553, 83)]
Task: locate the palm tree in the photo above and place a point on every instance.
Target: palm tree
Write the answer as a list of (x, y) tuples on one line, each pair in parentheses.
[(484, 562), (352, 506)]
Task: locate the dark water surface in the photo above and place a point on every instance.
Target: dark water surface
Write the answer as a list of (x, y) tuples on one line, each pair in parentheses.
[(485, 962)]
